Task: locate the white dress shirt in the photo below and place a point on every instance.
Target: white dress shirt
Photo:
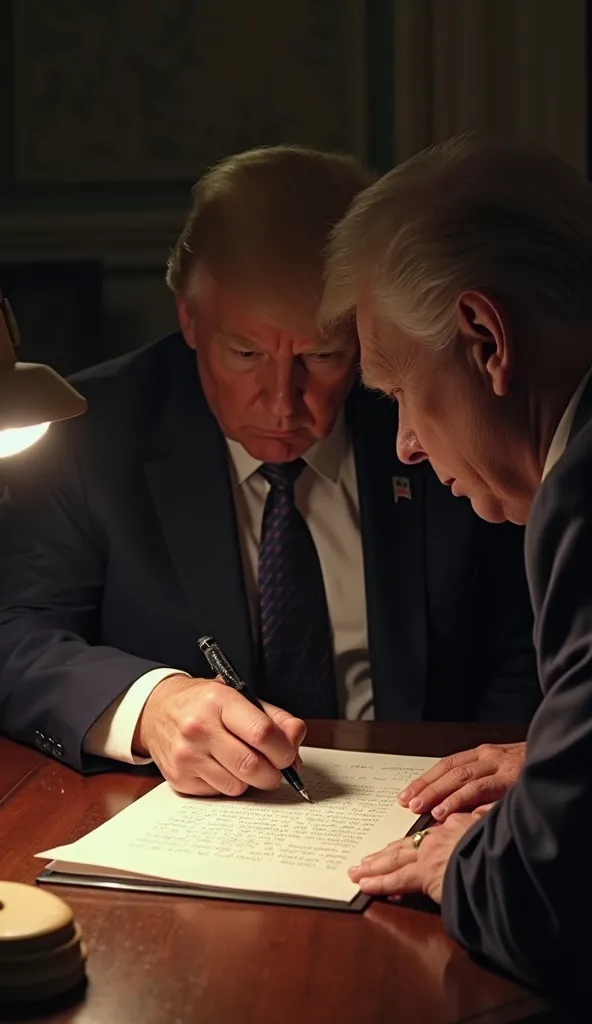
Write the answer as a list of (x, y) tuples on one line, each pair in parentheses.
[(561, 435), (326, 494)]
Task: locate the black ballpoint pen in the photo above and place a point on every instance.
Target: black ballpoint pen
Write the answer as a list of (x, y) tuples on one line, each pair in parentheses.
[(221, 665)]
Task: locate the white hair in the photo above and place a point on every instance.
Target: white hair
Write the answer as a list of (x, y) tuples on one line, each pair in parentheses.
[(506, 218)]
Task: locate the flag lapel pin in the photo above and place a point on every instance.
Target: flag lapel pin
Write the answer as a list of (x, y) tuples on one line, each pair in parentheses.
[(401, 488)]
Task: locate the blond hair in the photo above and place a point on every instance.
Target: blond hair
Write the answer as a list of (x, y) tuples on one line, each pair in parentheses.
[(506, 218), (260, 221)]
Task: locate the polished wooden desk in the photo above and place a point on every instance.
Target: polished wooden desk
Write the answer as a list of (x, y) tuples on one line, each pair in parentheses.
[(175, 960)]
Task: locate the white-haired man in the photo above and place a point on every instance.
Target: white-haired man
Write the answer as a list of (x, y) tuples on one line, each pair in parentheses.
[(470, 269)]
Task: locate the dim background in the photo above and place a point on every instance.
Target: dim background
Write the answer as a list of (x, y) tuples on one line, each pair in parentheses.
[(109, 111)]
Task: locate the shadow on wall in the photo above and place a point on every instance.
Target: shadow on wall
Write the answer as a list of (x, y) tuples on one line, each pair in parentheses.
[(138, 308), (58, 306), (72, 315)]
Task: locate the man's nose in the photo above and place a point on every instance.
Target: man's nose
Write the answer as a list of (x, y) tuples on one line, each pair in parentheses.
[(283, 390), (409, 449)]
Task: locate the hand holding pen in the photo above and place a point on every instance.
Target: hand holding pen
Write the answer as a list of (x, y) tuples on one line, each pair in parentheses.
[(208, 740), (221, 665)]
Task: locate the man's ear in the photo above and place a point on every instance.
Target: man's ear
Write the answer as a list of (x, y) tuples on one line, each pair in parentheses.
[(186, 320), (483, 330)]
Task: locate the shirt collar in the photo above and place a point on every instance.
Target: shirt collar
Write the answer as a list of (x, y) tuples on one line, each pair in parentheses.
[(325, 457), (561, 435)]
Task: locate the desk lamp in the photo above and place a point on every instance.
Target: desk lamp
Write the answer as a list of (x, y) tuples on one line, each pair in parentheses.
[(31, 395), (41, 950)]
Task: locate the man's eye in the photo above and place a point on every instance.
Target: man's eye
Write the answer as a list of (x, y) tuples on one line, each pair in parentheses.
[(244, 353), (322, 357)]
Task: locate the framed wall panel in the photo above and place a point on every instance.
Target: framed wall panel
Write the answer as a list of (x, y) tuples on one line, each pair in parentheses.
[(125, 91)]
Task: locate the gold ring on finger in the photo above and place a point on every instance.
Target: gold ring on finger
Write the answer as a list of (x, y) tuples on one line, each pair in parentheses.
[(418, 838)]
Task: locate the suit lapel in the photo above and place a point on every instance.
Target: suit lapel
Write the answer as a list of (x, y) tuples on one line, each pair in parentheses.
[(187, 471), (393, 538)]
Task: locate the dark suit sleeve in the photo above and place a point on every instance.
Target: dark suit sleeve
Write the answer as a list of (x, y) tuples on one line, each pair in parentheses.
[(54, 681), (517, 889), (510, 690)]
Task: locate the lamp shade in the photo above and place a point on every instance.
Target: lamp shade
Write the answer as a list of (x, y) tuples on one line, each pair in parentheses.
[(31, 395)]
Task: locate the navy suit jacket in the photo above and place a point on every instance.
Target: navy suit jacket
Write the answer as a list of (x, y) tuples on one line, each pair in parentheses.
[(518, 889), (119, 548)]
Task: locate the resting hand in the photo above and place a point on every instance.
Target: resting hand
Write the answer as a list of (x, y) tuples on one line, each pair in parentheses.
[(208, 740), (400, 868), (466, 780)]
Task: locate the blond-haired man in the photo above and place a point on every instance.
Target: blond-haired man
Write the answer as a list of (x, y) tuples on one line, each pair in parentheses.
[(258, 499), (470, 270)]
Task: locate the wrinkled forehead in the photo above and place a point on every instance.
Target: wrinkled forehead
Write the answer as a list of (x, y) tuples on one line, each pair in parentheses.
[(375, 357), (263, 318), (273, 321), (366, 326), (388, 355), (255, 312)]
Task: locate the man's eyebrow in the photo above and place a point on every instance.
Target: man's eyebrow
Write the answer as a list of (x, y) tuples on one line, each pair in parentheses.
[(335, 334), (375, 372), (239, 339), (370, 381)]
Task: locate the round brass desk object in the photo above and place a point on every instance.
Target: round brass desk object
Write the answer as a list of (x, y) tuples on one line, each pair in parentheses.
[(41, 951)]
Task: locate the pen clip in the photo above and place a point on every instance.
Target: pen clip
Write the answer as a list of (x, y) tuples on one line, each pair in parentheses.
[(222, 666)]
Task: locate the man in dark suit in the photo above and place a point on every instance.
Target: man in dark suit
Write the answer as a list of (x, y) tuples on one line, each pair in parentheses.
[(479, 319), (355, 586)]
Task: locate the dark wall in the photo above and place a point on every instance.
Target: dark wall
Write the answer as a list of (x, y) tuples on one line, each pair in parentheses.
[(120, 105), (110, 111)]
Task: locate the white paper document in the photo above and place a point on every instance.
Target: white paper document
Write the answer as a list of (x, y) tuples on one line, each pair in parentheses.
[(260, 842)]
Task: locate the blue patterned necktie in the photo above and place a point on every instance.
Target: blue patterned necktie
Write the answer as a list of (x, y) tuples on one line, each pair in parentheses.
[(296, 642)]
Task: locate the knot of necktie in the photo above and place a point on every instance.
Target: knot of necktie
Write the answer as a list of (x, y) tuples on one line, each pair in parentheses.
[(282, 475)]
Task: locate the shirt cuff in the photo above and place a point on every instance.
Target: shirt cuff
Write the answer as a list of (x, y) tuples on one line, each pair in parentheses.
[(112, 734)]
